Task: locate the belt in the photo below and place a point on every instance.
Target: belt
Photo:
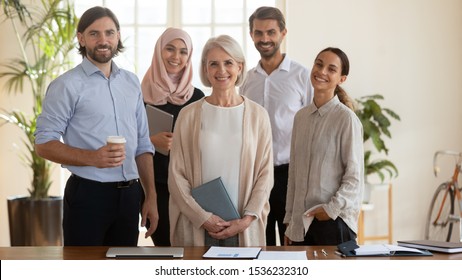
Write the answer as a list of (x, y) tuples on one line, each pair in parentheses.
[(118, 185), (125, 184)]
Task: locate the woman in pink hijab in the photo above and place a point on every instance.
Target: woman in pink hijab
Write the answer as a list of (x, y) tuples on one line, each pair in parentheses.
[(167, 86)]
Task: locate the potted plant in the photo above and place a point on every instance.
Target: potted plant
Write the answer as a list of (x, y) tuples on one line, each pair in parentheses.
[(376, 122), (45, 33)]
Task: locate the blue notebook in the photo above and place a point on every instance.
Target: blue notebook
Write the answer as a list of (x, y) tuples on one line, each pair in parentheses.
[(213, 197)]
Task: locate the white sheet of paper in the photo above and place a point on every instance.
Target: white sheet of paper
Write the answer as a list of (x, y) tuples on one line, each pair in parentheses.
[(232, 252), (282, 255), (382, 249)]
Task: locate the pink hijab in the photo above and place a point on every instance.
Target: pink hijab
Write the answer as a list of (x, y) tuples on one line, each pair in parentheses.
[(158, 86)]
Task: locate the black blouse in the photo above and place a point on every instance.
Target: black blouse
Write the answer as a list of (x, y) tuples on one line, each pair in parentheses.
[(161, 161)]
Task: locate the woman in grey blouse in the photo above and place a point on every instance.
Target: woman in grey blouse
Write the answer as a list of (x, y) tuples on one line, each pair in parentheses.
[(326, 162)]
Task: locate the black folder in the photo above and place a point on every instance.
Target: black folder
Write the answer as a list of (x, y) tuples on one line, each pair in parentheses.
[(351, 249), (213, 197)]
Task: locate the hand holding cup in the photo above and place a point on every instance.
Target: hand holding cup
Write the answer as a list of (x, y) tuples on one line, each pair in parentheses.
[(116, 148)]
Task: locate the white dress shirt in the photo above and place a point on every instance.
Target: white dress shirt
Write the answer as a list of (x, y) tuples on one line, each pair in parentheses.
[(282, 93)]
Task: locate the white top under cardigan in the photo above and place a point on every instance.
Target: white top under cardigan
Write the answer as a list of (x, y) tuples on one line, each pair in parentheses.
[(221, 144)]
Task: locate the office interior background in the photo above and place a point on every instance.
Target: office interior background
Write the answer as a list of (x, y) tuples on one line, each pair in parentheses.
[(410, 51)]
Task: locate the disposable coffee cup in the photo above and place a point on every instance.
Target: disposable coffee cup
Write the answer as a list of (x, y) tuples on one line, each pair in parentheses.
[(116, 140)]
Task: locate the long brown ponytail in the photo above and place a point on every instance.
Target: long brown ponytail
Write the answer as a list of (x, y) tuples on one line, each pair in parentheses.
[(345, 98)]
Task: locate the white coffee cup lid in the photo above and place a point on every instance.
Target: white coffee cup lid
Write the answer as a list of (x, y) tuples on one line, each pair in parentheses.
[(116, 139)]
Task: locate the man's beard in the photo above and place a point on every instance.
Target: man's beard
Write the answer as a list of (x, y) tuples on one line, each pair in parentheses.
[(265, 52), (92, 53)]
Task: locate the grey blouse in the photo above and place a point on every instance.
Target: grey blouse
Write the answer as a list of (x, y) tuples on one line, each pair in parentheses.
[(326, 165)]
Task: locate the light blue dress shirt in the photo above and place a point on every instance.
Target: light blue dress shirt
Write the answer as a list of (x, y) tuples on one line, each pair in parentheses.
[(83, 107)]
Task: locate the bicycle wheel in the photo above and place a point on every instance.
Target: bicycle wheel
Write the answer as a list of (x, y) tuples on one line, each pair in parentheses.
[(439, 226)]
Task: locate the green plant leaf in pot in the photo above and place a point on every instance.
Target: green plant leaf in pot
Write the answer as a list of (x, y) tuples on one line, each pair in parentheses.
[(45, 33), (376, 122)]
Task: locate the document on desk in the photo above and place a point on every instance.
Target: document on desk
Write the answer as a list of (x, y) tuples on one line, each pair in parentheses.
[(217, 252), (282, 255), (388, 250)]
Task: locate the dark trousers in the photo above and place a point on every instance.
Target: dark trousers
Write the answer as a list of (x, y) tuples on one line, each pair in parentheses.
[(277, 202), (99, 214), (161, 237), (328, 233)]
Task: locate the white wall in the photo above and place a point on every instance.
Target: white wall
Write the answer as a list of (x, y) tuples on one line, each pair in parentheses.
[(408, 50)]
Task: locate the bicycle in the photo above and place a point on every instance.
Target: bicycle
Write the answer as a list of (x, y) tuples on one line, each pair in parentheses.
[(442, 215)]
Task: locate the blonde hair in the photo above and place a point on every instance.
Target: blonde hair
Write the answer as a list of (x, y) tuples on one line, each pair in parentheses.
[(231, 47)]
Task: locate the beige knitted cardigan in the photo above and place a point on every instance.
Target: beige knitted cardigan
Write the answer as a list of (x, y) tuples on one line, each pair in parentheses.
[(255, 182)]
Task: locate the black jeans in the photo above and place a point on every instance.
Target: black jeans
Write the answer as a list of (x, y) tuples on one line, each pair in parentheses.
[(330, 232), (161, 237), (99, 214), (277, 202)]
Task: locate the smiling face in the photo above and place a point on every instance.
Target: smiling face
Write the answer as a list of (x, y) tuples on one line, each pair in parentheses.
[(327, 72), (221, 69), (267, 36), (175, 55), (100, 40)]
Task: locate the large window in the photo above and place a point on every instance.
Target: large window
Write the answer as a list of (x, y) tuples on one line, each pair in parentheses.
[(143, 21)]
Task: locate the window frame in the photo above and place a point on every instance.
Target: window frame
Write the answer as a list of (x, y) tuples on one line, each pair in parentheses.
[(131, 59)]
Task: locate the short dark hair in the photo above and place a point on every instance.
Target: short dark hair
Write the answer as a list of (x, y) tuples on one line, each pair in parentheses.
[(90, 16), (268, 13)]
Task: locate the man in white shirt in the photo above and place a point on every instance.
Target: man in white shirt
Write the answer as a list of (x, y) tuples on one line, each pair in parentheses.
[(282, 87)]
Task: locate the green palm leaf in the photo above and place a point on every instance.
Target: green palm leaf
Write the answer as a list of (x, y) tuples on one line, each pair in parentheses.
[(376, 122), (50, 37)]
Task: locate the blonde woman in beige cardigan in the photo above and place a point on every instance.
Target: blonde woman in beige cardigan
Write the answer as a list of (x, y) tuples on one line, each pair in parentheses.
[(224, 135)]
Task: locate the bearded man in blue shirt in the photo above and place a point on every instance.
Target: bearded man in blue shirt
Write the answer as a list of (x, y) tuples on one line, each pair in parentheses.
[(110, 184)]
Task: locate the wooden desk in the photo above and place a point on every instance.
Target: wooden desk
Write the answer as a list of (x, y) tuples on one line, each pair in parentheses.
[(190, 253)]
